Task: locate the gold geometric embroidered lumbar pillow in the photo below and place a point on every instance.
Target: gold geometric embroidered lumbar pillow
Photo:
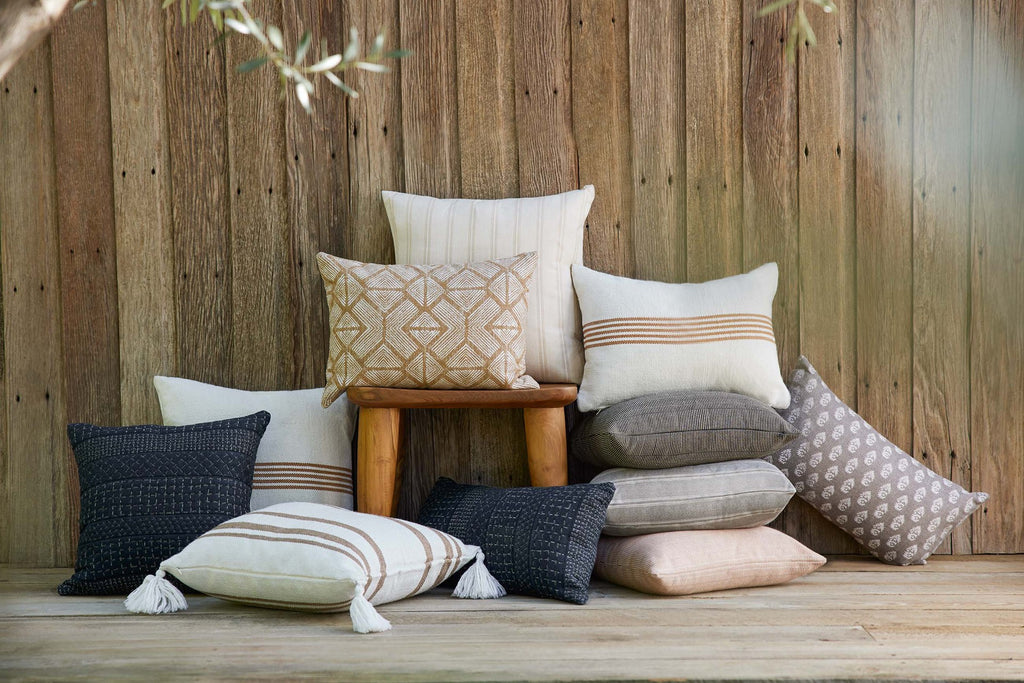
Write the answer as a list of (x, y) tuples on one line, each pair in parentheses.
[(427, 327)]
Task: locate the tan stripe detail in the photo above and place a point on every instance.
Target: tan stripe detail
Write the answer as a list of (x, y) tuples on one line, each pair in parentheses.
[(694, 319), (286, 604), (427, 551), (330, 469), (271, 486), (304, 477), (360, 559), (448, 568), (684, 327), (681, 334), (344, 542), (342, 525), (674, 342)]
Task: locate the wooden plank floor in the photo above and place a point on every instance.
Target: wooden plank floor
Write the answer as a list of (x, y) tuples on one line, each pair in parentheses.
[(855, 619)]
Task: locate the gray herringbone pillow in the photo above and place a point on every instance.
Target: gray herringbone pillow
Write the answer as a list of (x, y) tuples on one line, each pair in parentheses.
[(678, 428), (890, 503)]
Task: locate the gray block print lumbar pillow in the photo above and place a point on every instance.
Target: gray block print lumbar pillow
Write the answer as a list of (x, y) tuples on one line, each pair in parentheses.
[(888, 502)]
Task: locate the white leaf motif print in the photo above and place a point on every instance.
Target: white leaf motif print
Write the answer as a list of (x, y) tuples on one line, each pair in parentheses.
[(831, 473)]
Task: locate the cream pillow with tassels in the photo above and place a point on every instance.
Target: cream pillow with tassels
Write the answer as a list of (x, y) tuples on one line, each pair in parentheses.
[(316, 558)]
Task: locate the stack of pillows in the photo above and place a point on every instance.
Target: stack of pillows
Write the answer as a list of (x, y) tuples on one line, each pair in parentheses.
[(685, 381), (247, 496)]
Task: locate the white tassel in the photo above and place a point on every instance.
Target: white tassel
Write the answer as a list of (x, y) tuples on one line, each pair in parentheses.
[(365, 619), (477, 583), (156, 595)]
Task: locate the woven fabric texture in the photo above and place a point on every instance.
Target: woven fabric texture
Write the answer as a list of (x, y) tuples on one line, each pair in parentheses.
[(641, 337), (720, 495), (148, 491), (427, 327), (305, 454), (678, 428), (863, 483), (316, 558), (537, 541), (429, 230)]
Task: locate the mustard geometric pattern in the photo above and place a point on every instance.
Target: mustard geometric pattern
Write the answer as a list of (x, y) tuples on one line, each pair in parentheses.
[(427, 327)]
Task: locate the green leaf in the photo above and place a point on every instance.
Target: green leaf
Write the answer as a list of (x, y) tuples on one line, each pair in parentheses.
[(275, 37), (397, 54), (300, 51), (252, 64), (167, 3), (773, 7), (377, 47), (372, 66), (193, 11)]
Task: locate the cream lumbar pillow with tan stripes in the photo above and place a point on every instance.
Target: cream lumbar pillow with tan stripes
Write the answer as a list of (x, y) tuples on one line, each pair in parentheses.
[(429, 230), (306, 453), (316, 558), (642, 337)]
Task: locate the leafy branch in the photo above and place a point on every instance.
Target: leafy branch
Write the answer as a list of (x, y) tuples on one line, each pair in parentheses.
[(233, 16), (800, 29)]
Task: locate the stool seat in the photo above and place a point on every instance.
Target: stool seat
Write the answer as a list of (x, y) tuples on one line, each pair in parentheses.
[(379, 452), (547, 396)]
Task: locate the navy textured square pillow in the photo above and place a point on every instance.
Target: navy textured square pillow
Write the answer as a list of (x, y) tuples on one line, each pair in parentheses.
[(148, 491), (538, 541)]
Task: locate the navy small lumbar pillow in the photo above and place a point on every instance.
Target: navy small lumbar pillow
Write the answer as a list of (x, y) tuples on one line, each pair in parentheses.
[(538, 541), (148, 491)]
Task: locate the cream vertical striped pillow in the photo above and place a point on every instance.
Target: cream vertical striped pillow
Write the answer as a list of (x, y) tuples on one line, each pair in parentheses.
[(429, 230), (317, 558), (645, 337)]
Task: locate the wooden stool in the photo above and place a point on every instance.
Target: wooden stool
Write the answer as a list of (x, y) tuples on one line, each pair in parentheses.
[(380, 427)]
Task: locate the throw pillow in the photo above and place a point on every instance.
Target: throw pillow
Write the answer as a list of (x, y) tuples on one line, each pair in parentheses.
[(642, 337), (721, 495), (148, 491), (306, 452), (427, 327), (428, 230), (686, 562), (314, 558), (678, 428), (888, 502), (538, 541)]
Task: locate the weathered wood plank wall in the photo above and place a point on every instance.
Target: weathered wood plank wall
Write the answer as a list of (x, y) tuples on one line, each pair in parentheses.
[(159, 213)]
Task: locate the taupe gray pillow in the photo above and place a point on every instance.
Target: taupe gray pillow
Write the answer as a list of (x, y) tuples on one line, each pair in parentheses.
[(720, 495), (888, 502), (678, 428)]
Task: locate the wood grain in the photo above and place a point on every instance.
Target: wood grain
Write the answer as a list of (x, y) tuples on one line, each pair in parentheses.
[(885, 72), (600, 120), (318, 187), (543, 62), (438, 441), (714, 140), (142, 206), (709, 153), (374, 138), (85, 218), (489, 167), (997, 277), (39, 520), (198, 144), (851, 620), (827, 241), (657, 102), (942, 244), (262, 355)]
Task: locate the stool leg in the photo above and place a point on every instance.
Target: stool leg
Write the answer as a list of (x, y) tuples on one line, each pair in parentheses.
[(546, 447), (378, 454)]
